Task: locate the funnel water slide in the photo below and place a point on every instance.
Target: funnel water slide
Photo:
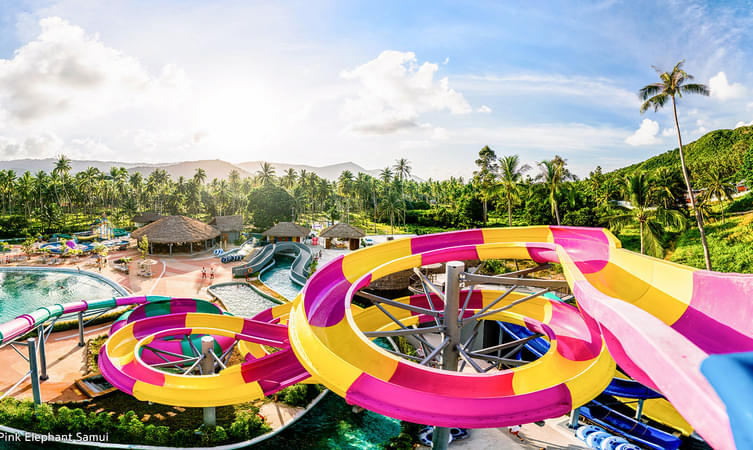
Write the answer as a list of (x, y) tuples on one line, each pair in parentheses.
[(659, 320)]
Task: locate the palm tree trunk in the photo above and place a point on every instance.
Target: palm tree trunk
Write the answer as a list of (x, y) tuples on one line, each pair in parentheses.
[(641, 232), (484, 210), (509, 213), (721, 200), (698, 216), (556, 211)]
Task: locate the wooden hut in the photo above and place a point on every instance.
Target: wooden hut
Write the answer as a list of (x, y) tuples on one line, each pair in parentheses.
[(286, 231), (342, 232), (177, 232), (230, 227)]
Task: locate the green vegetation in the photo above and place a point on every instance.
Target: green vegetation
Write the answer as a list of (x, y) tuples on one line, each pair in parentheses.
[(299, 395), (180, 429)]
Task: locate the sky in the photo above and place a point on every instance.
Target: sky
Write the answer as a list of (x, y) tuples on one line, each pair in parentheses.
[(322, 82)]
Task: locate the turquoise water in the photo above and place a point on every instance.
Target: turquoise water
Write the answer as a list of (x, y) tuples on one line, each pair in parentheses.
[(332, 424), (241, 300), (23, 291), (278, 278)]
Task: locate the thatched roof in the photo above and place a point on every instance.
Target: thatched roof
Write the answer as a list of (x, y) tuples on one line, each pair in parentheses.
[(147, 217), (228, 223), (287, 229), (342, 231), (176, 230)]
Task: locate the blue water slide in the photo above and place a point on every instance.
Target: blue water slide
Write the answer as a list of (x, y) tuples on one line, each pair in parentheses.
[(538, 346), (731, 376), (640, 433)]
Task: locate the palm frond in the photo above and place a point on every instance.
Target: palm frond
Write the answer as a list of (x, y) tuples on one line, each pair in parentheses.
[(652, 239), (695, 88), (657, 101), (650, 90)]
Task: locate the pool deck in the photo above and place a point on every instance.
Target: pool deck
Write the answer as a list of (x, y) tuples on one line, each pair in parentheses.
[(180, 276), (176, 276)]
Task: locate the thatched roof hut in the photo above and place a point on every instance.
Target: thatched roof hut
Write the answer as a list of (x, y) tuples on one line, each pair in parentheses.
[(286, 231), (177, 230), (146, 218), (228, 223), (343, 231)]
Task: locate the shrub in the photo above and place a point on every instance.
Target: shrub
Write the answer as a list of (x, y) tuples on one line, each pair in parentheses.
[(744, 203), (247, 425)]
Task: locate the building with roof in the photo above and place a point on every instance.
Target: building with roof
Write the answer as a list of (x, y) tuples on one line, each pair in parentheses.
[(146, 218), (230, 227), (179, 233), (286, 231), (343, 232)]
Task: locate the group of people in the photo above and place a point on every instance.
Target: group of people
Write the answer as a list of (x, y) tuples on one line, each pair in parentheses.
[(204, 272)]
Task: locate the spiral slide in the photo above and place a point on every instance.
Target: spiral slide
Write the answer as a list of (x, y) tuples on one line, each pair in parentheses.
[(659, 321)]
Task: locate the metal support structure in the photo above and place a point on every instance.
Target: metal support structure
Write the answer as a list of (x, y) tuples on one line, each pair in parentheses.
[(639, 410), (31, 343), (207, 368), (81, 342), (451, 352), (574, 418), (42, 354)]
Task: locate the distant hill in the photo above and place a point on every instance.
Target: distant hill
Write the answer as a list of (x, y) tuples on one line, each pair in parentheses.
[(722, 149), (215, 168), (330, 172), (47, 164)]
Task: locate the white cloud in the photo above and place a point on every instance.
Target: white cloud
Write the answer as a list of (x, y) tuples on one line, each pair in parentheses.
[(668, 132), (446, 60), (484, 109), (584, 88), (393, 91), (66, 74), (645, 134), (720, 88), (743, 124)]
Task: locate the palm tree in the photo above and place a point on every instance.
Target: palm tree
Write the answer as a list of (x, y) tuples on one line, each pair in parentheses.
[(719, 189), (486, 175), (266, 173), (345, 189), (385, 175), (200, 176), (288, 180), (553, 174), (673, 84), (652, 218), (512, 175), (402, 171), (390, 206)]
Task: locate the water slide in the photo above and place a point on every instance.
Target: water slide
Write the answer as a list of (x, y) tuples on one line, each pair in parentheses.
[(659, 320), (625, 390), (238, 253), (646, 436), (265, 257)]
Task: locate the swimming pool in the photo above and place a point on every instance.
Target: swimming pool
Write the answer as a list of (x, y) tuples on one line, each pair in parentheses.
[(278, 279), (240, 299), (22, 290)]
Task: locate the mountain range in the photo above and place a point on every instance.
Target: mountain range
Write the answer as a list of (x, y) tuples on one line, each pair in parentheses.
[(215, 168)]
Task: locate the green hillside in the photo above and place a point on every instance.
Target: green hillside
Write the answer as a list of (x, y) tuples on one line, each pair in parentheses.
[(720, 149)]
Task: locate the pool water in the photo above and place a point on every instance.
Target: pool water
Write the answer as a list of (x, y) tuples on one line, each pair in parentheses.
[(241, 300), (333, 424), (23, 291), (278, 279)]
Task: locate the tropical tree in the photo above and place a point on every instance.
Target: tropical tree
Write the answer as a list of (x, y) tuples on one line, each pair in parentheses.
[(717, 188), (486, 175), (511, 176), (651, 216), (266, 173), (672, 86), (553, 173)]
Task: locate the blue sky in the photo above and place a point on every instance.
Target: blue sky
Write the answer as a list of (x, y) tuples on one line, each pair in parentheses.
[(325, 82)]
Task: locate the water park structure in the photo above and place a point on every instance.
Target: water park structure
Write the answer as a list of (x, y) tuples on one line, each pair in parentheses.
[(663, 324)]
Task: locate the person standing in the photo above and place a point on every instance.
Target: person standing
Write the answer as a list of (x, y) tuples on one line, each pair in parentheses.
[(211, 273), (203, 272)]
